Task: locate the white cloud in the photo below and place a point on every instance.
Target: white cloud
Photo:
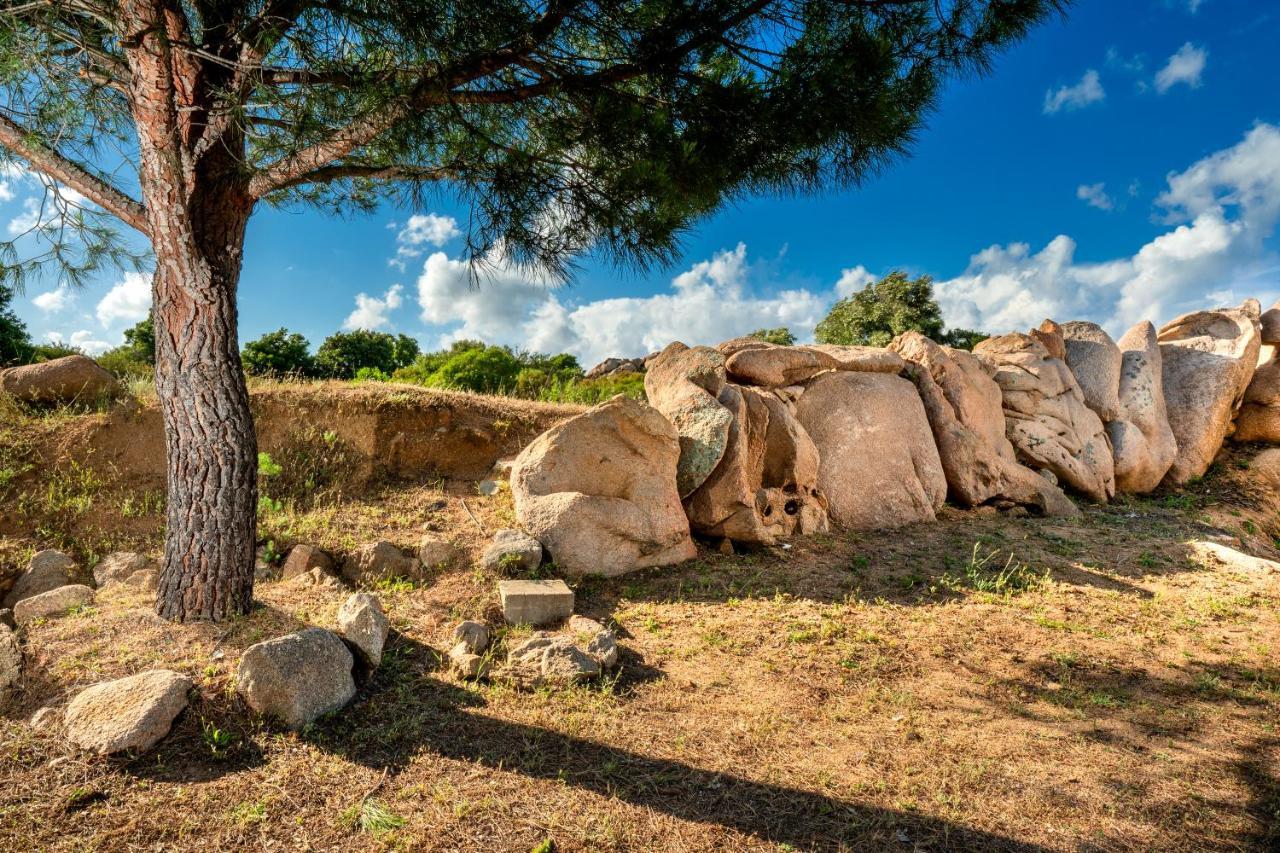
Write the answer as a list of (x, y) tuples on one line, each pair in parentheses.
[(852, 280), (420, 231), (372, 313), (1095, 195), (129, 300), (1088, 91), (709, 302), (82, 340), (56, 300), (1223, 209), (1185, 66)]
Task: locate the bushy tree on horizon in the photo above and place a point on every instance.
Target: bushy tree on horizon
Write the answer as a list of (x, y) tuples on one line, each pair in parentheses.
[(781, 336), (565, 126), (342, 355), (15, 343), (279, 353), (884, 309)]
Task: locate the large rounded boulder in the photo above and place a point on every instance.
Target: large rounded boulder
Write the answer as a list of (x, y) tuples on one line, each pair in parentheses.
[(879, 466), (1208, 361), (599, 491), (684, 384), (60, 380)]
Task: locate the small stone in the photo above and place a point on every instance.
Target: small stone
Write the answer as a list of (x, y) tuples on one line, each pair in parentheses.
[(131, 713), (487, 488), (512, 551), (55, 602), (468, 664), (47, 570), (535, 603), (604, 648), (316, 577), (473, 635), (379, 561), (364, 625), (726, 547), (435, 552), (584, 625), (120, 568), (10, 663), (547, 658), (302, 559), (297, 678), (47, 717)]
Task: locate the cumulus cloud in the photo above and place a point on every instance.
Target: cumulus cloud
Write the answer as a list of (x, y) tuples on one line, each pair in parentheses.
[(1185, 66), (82, 340), (56, 300), (372, 313), (1095, 195), (1222, 211), (129, 300), (853, 280), (420, 232), (1088, 91), (711, 301)]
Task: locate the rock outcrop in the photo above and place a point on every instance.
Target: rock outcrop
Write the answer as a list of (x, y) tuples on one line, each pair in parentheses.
[(1259, 417), (878, 465), (684, 385), (128, 714), (60, 380), (1142, 442), (1209, 358), (297, 678), (599, 491), (964, 407), (766, 486), (1094, 360), (1046, 418)]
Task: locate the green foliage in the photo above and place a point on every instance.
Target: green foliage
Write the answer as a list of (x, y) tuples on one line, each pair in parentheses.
[(781, 336), (984, 573), (48, 352), (472, 366), (371, 816), (371, 374), (342, 355), (141, 339), (279, 353), (485, 371), (591, 391), (881, 311), (15, 343)]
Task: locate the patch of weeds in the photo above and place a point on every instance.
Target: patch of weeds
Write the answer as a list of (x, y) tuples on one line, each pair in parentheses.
[(71, 489), (859, 563), (248, 814), (140, 506), (395, 585), (217, 740), (546, 845), (310, 466), (1148, 560), (983, 573), (1249, 527), (372, 816)]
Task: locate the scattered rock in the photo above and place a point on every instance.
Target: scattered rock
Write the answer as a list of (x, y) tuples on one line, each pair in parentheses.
[(1142, 442), (546, 658), (601, 643), (684, 384), (121, 567), (47, 570), (615, 366), (879, 465), (599, 491), (10, 663), (297, 678), (1218, 554), (55, 602), (965, 411), (1046, 418), (513, 552), (487, 488), (45, 718), (474, 636), (132, 713), (1208, 361), (436, 553), (364, 625), (316, 577), (468, 664), (1094, 360), (302, 559), (766, 486), (379, 561), (60, 380), (535, 603)]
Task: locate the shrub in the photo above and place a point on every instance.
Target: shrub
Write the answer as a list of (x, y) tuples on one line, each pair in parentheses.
[(592, 391), (124, 363), (15, 344), (278, 353), (781, 336), (486, 371), (343, 354), (371, 374)]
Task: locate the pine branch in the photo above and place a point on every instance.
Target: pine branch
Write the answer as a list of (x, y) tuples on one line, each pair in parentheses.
[(21, 142)]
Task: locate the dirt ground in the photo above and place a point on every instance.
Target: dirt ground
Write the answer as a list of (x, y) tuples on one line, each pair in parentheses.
[(982, 683)]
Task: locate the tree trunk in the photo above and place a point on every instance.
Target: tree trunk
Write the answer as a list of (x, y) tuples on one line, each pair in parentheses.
[(209, 437)]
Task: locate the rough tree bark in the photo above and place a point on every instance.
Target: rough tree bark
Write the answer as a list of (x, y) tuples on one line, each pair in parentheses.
[(198, 204)]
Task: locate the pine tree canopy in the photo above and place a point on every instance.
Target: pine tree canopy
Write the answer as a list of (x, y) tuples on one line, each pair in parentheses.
[(563, 125)]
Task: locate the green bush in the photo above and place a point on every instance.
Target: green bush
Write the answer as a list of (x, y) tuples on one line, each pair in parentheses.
[(591, 391), (278, 353), (491, 370), (123, 363), (343, 354), (781, 336), (371, 374)]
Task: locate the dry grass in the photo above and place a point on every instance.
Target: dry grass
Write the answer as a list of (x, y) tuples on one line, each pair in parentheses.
[(980, 683)]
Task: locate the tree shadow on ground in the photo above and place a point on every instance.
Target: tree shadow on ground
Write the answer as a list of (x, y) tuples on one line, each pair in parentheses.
[(408, 711)]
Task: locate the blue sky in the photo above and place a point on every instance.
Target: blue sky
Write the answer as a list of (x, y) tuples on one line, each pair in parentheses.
[(1121, 165)]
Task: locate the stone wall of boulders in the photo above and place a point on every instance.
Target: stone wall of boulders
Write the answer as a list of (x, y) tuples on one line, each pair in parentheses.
[(750, 442)]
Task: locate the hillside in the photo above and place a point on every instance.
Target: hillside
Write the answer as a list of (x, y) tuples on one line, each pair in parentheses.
[(1107, 682)]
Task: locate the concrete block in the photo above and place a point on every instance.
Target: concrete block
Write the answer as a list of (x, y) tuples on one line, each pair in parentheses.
[(535, 603)]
